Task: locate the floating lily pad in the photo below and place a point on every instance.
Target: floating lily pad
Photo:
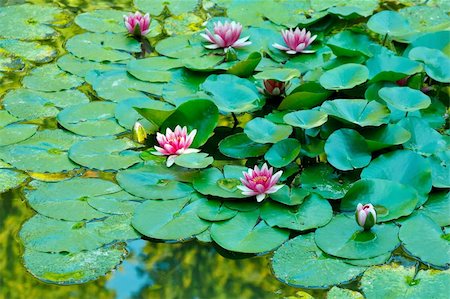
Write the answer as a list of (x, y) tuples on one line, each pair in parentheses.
[(361, 112), (73, 268), (50, 77), (118, 228), (314, 212), (250, 235), (91, 119), (169, 220), (433, 40), (262, 130), (306, 119), (437, 208), (389, 22), (232, 94), (45, 151), (179, 46), (153, 69), (67, 199), (175, 7), (345, 76), (156, 181), (348, 43), (239, 146), (283, 152), (102, 20), (393, 281), (194, 160), (15, 133), (246, 67), (105, 154), (103, 46), (373, 261), (405, 98), (305, 96), (81, 67), (10, 179), (424, 239), (31, 104), (391, 68), (213, 182), (32, 51), (424, 18), (343, 237), (380, 193), (214, 210), (385, 136), (338, 293), (120, 203), (290, 196), (6, 118), (299, 262), (346, 149), (440, 163), (323, 180), (283, 75)]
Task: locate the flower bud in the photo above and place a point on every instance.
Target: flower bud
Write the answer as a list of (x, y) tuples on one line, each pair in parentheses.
[(366, 216), (139, 133)]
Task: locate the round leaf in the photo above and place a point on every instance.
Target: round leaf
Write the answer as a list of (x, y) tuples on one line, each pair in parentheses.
[(306, 119), (261, 130), (283, 152), (405, 98), (389, 22), (344, 77), (239, 146)]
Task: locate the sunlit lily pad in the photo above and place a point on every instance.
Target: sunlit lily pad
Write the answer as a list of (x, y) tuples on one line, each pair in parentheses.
[(250, 235), (361, 112), (312, 213), (246, 67), (176, 7), (213, 182), (119, 203), (338, 293), (50, 77), (283, 152), (424, 239), (32, 51), (405, 98), (436, 62), (345, 76), (437, 208), (391, 68), (278, 74), (290, 196), (440, 163), (153, 69), (91, 119), (373, 261), (299, 262), (67, 199), (389, 22), (239, 146), (10, 179), (15, 133), (393, 281), (102, 20), (73, 268), (46, 151), (213, 210), (343, 237), (380, 193), (169, 220), (105, 154), (348, 43), (179, 46), (433, 40), (31, 104), (194, 160), (261, 130), (306, 119), (81, 67)]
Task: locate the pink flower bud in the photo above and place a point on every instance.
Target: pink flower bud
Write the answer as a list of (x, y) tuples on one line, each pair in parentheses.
[(365, 216), (137, 24), (274, 87), (296, 41)]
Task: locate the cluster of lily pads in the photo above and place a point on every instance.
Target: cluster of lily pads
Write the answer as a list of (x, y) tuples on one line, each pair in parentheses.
[(355, 115)]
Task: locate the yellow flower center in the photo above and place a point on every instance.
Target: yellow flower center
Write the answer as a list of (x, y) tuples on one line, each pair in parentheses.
[(259, 179)]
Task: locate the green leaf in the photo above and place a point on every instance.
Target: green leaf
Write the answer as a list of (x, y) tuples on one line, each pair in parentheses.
[(212, 181), (389, 22), (305, 96), (214, 210), (423, 238), (437, 64), (343, 237), (290, 196), (299, 262), (306, 119), (385, 136), (440, 163), (15, 133), (169, 220), (346, 149), (380, 193), (279, 74), (338, 293), (102, 20), (246, 67), (205, 63), (433, 40), (81, 67), (180, 46), (239, 146), (348, 43), (119, 203), (155, 7), (54, 78), (437, 207), (194, 160), (10, 179), (153, 69), (391, 68), (261, 130), (405, 98), (249, 234), (345, 76), (283, 152), (32, 51)]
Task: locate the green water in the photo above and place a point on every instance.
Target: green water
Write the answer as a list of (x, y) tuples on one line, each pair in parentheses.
[(152, 270)]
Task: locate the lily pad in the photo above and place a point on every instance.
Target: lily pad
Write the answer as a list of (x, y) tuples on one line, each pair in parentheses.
[(440, 163), (305, 96), (389, 23), (345, 76), (306, 119), (91, 119), (153, 69), (261, 130), (437, 208), (176, 7), (81, 67), (283, 75), (119, 203), (249, 234), (73, 268), (391, 68), (102, 20), (50, 77), (213, 182), (239, 146), (15, 133), (67, 200), (103, 46), (214, 210), (232, 94), (433, 40), (290, 196), (361, 112), (348, 43), (283, 152), (385, 136), (32, 51), (105, 154), (169, 220), (299, 262), (346, 149), (180, 46), (342, 237), (405, 98), (314, 212), (194, 160), (338, 293), (246, 67), (424, 239), (380, 193), (436, 62), (10, 179)]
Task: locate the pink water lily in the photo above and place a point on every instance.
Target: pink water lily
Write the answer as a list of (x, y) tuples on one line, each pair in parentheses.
[(225, 36), (274, 87), (365, 215), (137, 24), (175, 143), (260, 182), (296, 40)]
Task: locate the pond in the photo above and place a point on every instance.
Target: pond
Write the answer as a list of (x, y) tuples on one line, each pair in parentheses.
[(212, 152)]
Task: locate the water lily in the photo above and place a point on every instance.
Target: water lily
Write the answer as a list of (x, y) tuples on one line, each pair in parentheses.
[(137, 24), (175, 143), (296, 41), (260, 182), (366, 216), (274, 87), (139, 133), (225, 36)]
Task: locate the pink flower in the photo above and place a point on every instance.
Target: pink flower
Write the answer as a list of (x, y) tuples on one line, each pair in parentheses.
[(225, 35), (274, 87), (175, 143), (260, 182), (296, 40), (137, 24), (366, 216)]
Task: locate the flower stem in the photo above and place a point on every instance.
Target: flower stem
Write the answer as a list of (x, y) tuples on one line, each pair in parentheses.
[(236, 122), (385, 39)]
